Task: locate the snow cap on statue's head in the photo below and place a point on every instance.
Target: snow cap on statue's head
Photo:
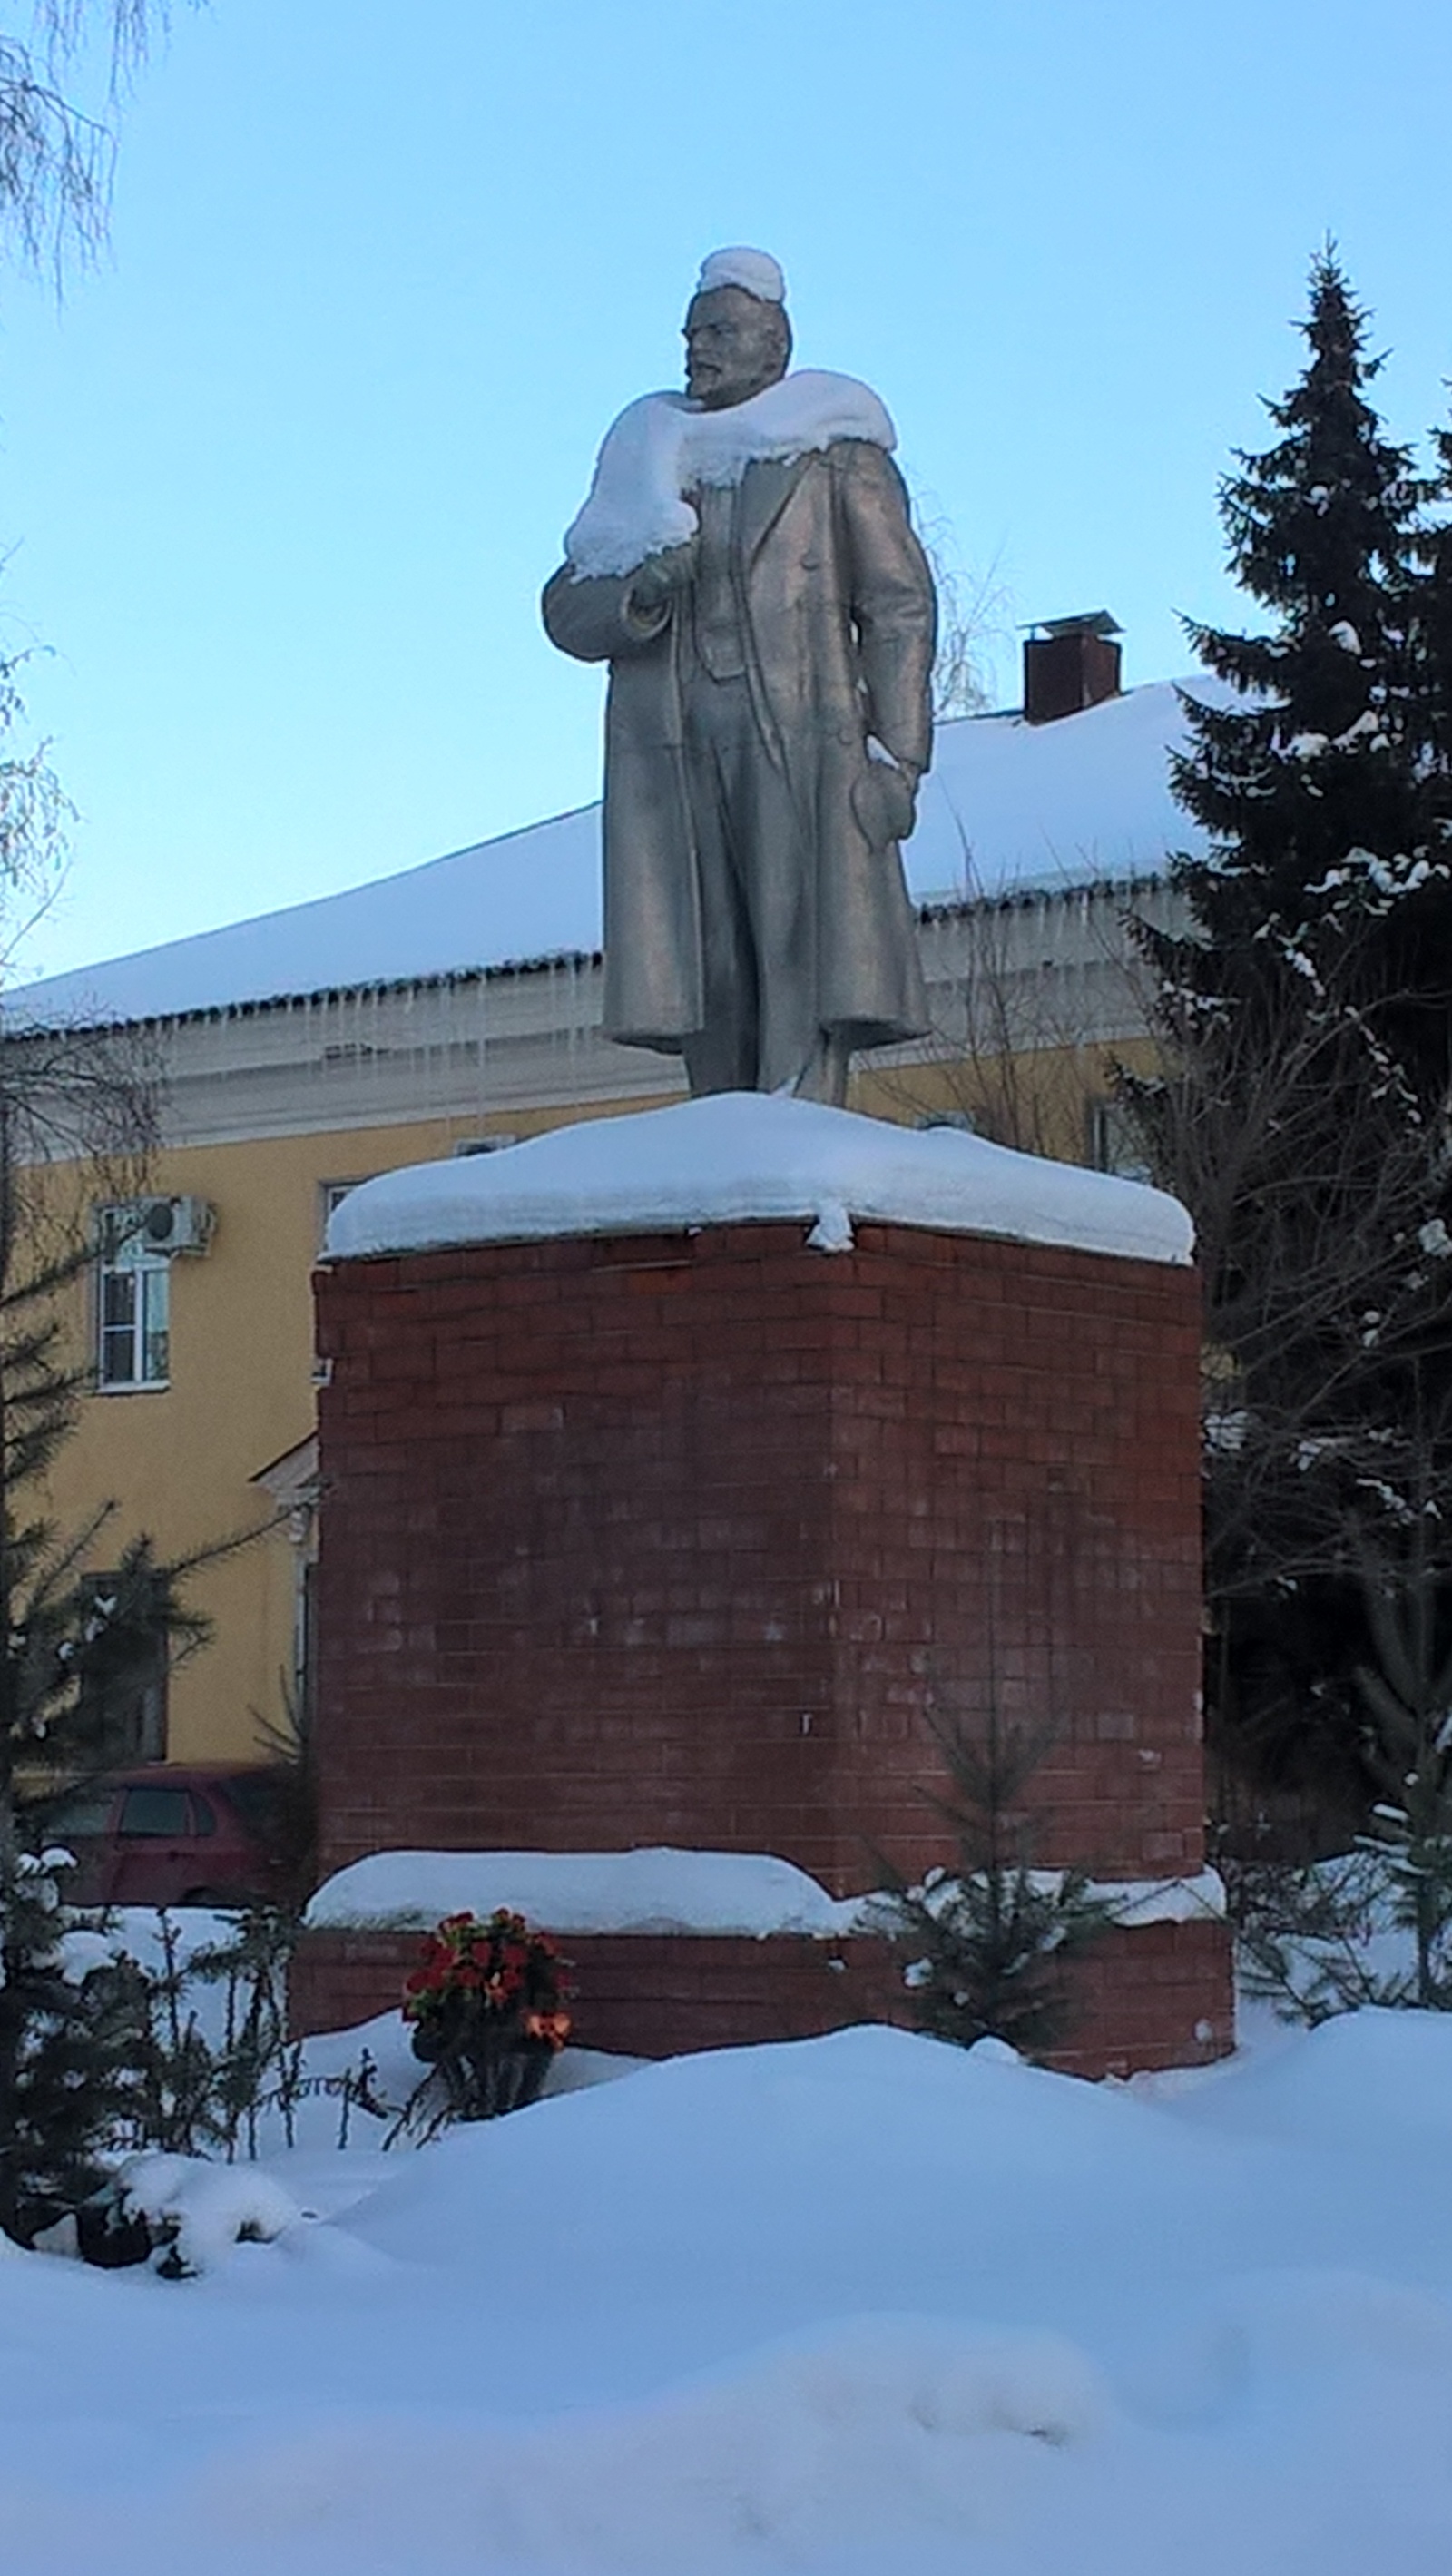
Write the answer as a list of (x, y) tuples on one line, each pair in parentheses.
[(755, 271)]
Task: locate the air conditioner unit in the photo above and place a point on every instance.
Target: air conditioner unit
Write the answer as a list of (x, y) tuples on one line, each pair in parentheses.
[(180, 1225), (157, 1225)]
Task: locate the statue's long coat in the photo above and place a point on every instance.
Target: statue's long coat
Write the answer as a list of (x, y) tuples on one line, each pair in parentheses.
[(839, 625)]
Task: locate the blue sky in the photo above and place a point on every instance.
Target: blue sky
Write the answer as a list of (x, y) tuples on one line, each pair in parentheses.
[(282, 479)]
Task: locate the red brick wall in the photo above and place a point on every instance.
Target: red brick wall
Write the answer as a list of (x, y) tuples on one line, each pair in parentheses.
[(1155, 1997), (674, 1539)]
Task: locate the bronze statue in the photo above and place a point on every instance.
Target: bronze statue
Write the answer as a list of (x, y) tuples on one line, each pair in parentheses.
[(746, 564)]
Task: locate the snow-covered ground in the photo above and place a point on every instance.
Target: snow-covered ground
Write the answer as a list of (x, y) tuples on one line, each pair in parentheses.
[(856, 2304)]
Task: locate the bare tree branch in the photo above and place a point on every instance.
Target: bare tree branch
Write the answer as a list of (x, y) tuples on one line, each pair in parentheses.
[(973, 613), (57, 153)]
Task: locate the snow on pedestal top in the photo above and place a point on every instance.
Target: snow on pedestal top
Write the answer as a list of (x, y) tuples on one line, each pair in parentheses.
[(657, 1890), (744, 1157)]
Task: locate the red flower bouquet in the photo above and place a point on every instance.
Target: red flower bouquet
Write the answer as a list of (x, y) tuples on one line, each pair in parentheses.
[(486, 2002)]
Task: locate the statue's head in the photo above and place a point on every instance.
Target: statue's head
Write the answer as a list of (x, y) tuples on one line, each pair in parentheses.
[(738, 339)]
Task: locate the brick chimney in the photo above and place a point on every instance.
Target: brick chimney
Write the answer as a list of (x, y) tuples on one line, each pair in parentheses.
[(1069, 663)]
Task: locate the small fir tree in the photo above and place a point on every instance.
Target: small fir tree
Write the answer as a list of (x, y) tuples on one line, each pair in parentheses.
[(984, 1942), (250, 1963), (66, 2045), (1407, 1689)]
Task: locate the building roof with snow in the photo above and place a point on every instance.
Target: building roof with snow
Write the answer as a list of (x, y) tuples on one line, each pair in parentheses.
[(1008, 808)]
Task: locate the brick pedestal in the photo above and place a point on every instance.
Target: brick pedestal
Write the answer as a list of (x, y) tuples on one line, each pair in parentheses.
[(680, 1539), (1156, 1997)]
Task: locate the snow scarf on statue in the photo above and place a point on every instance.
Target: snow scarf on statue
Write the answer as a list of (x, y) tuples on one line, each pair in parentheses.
[(663, 447)]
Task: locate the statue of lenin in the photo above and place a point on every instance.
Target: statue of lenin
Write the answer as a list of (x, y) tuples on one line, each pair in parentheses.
[(746, 564)]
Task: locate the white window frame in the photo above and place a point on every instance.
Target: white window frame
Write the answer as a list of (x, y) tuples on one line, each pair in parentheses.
[(331, 1195), (125, 1257)]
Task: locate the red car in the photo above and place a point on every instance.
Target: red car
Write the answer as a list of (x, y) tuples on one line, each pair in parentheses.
[(167, 1835)]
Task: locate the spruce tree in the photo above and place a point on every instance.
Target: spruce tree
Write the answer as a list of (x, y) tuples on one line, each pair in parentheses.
[(1313, 785), (1306, 1011), (77, 1117)]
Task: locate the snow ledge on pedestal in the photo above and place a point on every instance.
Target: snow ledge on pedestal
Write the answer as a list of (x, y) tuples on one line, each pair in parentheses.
[(746, 1157), (751, 1895), (651, 1890)]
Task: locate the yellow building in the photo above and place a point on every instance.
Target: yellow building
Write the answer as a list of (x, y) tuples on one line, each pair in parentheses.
[(456, 1008)]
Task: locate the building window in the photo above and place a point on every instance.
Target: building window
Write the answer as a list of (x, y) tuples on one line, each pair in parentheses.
[(1115, 1144), (331, 1195), (133, 1303)]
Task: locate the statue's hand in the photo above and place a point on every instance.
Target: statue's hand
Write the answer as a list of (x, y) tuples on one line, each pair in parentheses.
[(885, 798), (662, 575)]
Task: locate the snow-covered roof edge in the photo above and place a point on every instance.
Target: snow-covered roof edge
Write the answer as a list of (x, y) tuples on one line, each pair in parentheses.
[(928, 911), (1009, 813)]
